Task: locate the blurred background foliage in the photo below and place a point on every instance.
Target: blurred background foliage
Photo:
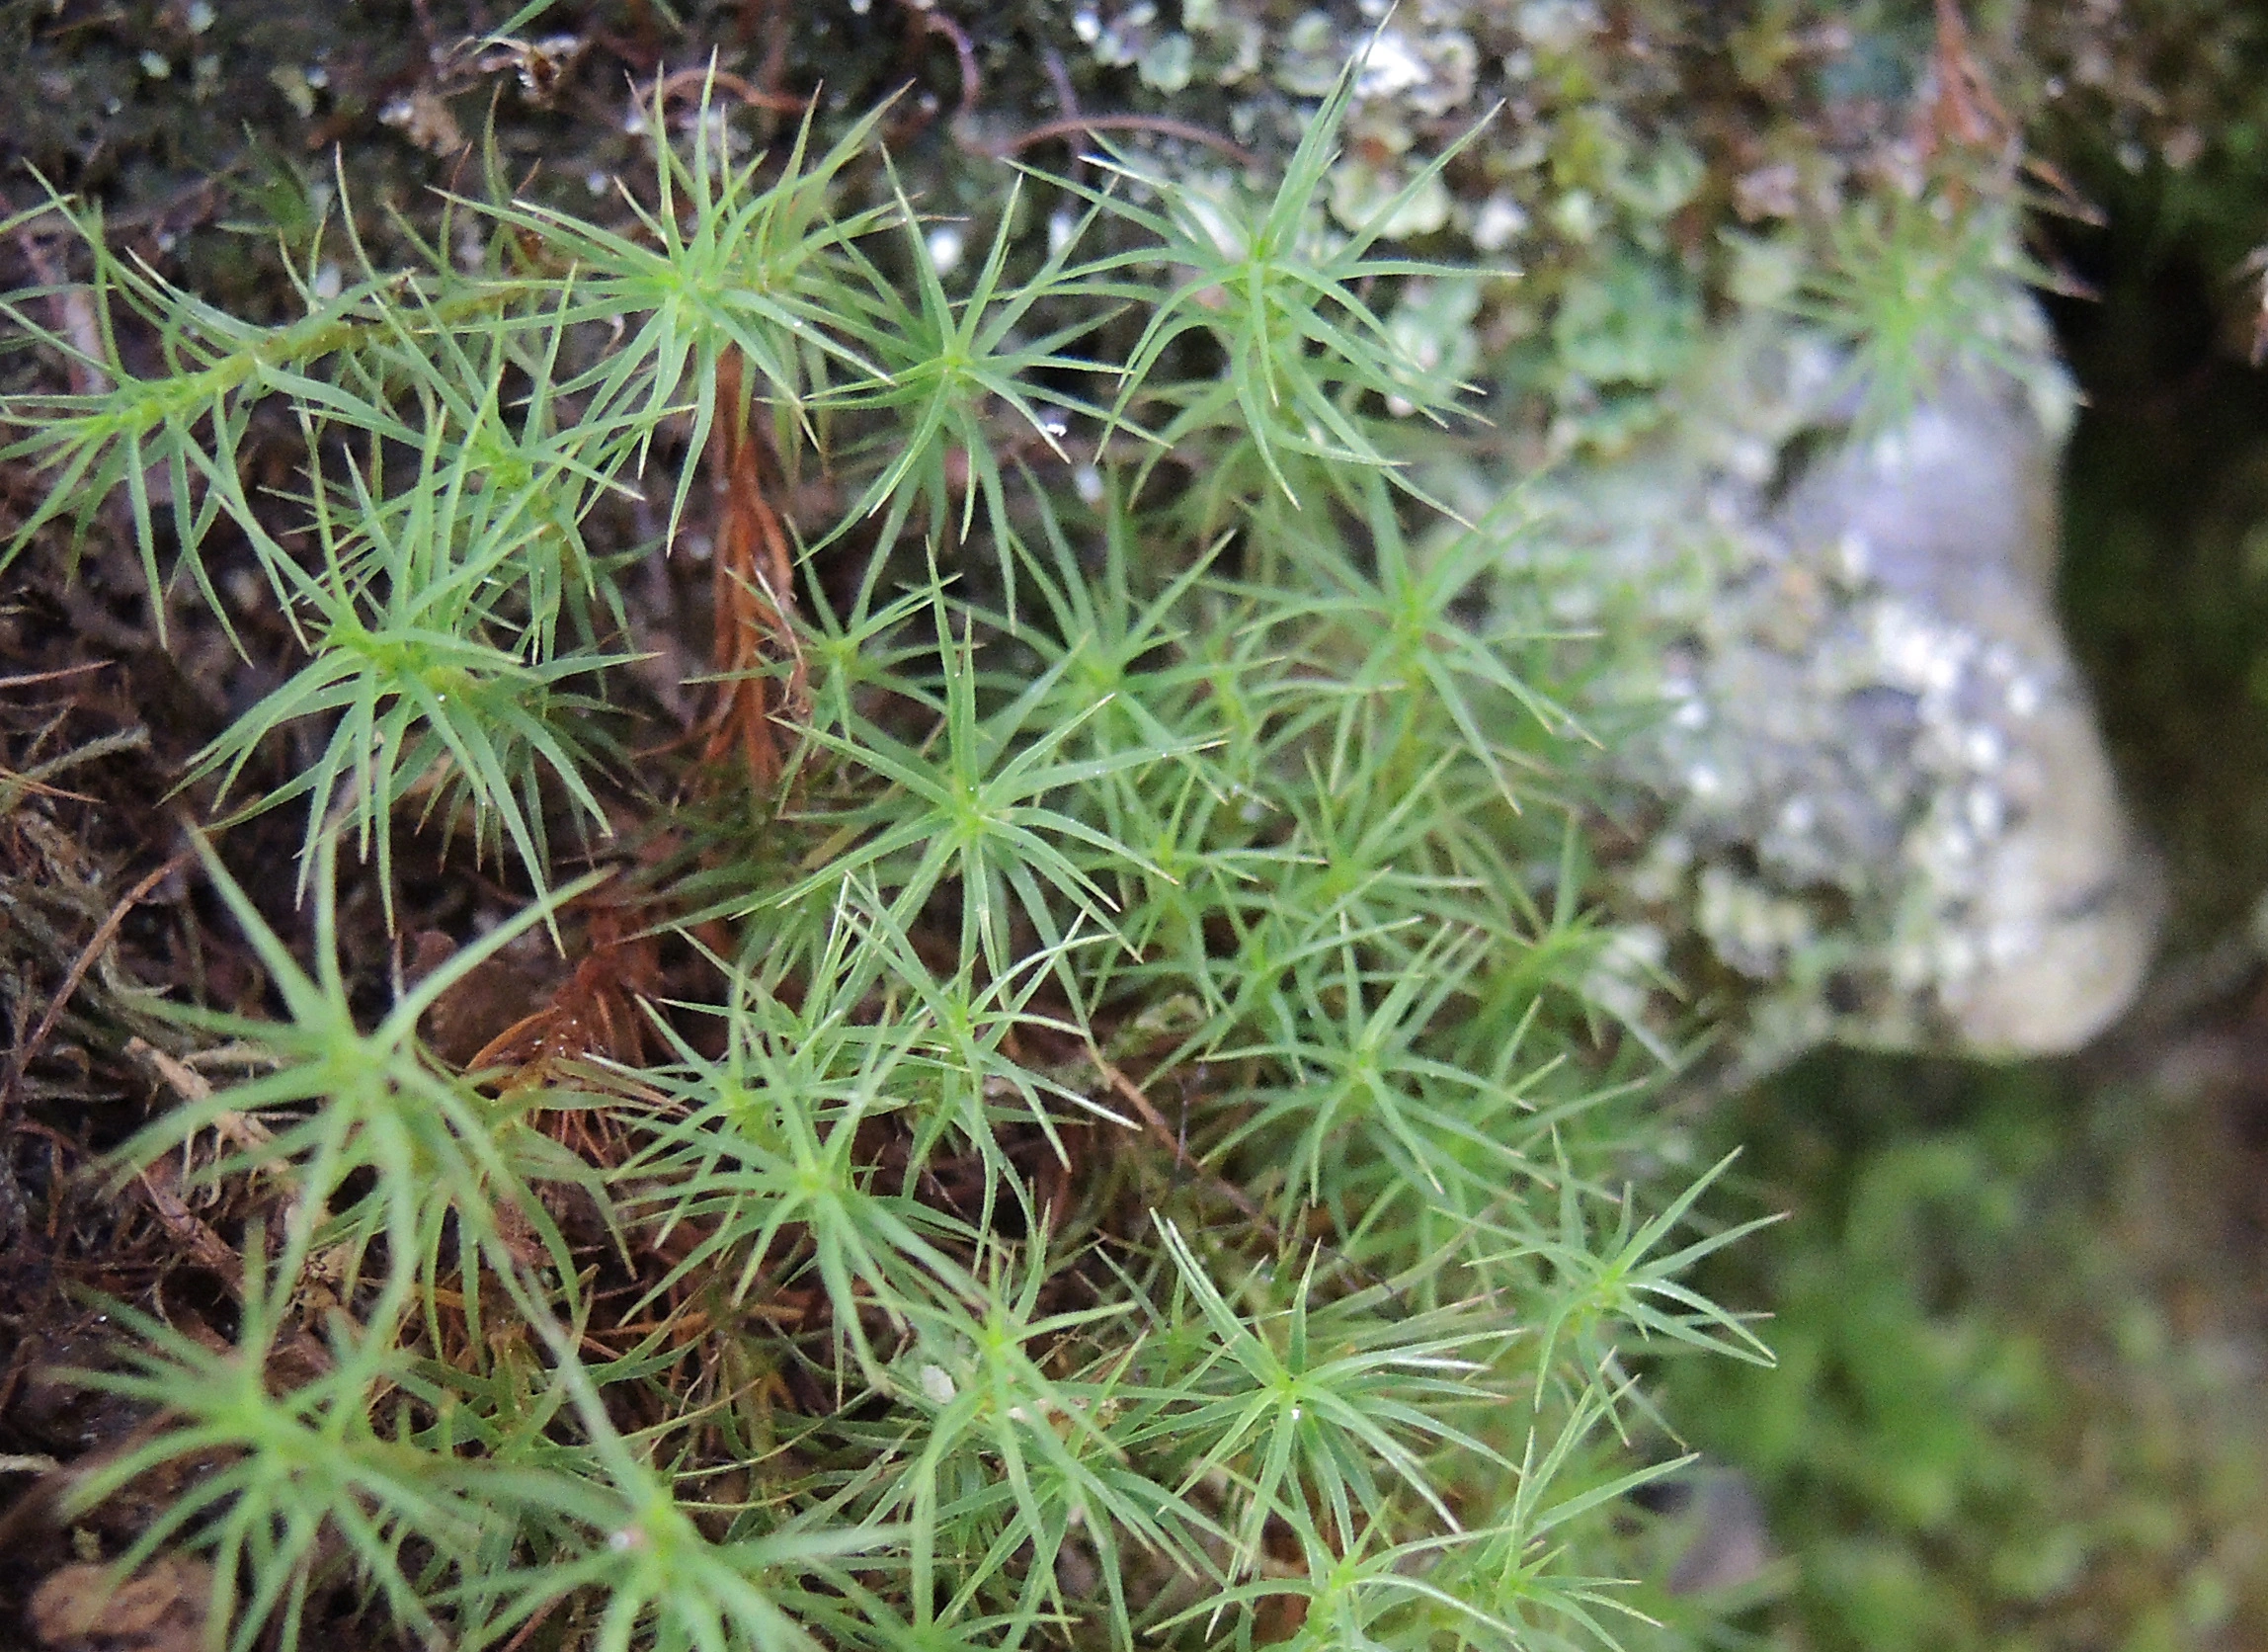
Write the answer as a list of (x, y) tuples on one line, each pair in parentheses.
[(2022, 1313), (2018, 1315)]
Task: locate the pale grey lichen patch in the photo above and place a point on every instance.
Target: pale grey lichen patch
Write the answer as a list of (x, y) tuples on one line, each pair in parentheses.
[(1879, 802)]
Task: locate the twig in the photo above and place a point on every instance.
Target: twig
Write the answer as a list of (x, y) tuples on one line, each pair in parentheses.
[(1059, 77), (204, 1246), (542, 1616), (922, 21), (1162, 124), (770, 18), (240, 1129), (1155, 1123), (74, 317), (964, 55), (1164, 1133), (755, 97), (25, 679), (29, 1051), (159, 1182), (1065, 106)]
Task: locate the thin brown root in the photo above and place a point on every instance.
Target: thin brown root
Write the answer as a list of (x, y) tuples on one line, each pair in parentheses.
[(675, 84), (1164, 125)]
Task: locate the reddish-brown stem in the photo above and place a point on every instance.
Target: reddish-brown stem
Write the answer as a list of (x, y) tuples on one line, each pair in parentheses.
[(678, 81), (1164, 125), (754, 596), (964, 54)]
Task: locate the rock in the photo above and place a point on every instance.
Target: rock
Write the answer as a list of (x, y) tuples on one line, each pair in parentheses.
[(1877, 804)]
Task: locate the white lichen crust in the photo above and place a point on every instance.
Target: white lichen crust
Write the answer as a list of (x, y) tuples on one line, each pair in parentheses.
[(1874, 789)]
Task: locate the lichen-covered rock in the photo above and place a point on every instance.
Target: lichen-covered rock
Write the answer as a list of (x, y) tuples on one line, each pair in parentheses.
[(1874, 800), (1865, 794)]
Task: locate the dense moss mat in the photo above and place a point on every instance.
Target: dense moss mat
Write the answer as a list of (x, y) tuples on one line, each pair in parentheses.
[(2019, 1313)]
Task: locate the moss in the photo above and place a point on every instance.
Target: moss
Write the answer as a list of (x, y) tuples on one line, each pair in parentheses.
[(1672, 253)]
